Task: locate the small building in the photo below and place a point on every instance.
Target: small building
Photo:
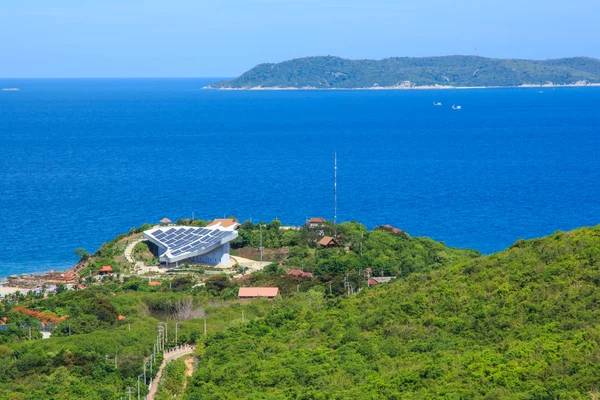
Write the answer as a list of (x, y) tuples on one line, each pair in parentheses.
[(226, 224), (106, 270), (299, 273), (328, 241), (248, 293), (165, 221), (154, 283), (378, 280), (121, 317), (372, 282), (315, 222), (80, 286)]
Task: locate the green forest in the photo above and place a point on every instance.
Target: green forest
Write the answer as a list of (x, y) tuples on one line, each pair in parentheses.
[(462, 71), (523, 323)]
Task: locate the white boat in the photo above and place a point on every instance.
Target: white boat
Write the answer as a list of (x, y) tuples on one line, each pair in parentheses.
[(10, 89), (456, 107), (437, 104)]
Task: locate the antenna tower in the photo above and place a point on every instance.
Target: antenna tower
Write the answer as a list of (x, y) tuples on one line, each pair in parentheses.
[(334, 194)]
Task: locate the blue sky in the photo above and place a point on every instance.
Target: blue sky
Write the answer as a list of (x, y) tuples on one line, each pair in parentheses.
[(196, 38)]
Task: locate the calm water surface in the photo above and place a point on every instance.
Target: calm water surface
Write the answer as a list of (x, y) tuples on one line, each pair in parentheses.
[(84, 160)]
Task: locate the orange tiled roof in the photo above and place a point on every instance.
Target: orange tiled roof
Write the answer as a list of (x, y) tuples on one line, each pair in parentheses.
[(225, 222), (258, 292)]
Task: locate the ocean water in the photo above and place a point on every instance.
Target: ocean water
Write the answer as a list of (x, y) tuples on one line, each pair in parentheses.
[(84, 160)]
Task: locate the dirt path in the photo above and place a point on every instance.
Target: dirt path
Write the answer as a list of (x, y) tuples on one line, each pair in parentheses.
[(189, 370), (250, 264), (168, 358)]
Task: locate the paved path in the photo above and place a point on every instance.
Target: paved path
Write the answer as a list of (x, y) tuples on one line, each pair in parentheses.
[(129, 250), (168, 358)]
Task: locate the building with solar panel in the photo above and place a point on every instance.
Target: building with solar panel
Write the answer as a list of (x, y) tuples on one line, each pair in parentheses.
[(186, 244)]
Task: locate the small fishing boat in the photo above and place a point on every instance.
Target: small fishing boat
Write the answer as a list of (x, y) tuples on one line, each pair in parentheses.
[(437, 104), (456, 107)]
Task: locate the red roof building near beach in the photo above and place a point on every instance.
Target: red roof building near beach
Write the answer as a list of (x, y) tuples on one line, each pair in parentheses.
[(107, 269), (246, 293), (318, 220), (165, 221), (154, 283)]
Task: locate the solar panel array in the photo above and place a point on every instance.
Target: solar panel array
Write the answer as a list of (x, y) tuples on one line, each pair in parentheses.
[(185, 240)]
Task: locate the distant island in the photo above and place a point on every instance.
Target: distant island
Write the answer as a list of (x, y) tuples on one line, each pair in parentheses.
[(416, 73)]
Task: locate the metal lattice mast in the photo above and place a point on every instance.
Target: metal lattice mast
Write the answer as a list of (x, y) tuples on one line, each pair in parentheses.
[(334, 194)]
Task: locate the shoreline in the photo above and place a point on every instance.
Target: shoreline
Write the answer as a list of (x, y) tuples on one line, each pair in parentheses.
[(425, 87)]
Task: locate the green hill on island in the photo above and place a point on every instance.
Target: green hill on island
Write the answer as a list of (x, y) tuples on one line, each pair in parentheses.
[(399, 72)]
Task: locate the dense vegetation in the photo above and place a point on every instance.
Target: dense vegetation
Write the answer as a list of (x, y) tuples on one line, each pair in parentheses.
[(386, 252), (519, 324), (470, 71)]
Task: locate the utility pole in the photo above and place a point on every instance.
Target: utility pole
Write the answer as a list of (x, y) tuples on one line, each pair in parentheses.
[(176, 337), (204, 326), (69, 329), (330, 287), (139, 386), (129, 391), (242, 316), (261, 246)]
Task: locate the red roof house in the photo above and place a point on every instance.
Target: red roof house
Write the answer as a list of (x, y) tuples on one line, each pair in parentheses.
[(299, 273), (315, 222), (154, 283), (247, 293), (328, 241), (226, 223), (372, 282), (106, 270)]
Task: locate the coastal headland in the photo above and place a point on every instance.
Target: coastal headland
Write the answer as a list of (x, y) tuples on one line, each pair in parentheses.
[(400, 73)]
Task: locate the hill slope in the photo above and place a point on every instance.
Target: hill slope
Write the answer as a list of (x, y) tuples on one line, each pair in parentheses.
[(520, 324), (469, 71)]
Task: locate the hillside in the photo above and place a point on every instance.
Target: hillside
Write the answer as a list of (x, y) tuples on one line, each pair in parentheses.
[(519, 324), (455, 71)]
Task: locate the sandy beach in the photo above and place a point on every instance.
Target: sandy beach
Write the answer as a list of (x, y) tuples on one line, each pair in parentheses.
[(6, 290)]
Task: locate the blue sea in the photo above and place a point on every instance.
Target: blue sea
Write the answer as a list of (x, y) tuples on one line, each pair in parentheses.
[(86, 159)]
